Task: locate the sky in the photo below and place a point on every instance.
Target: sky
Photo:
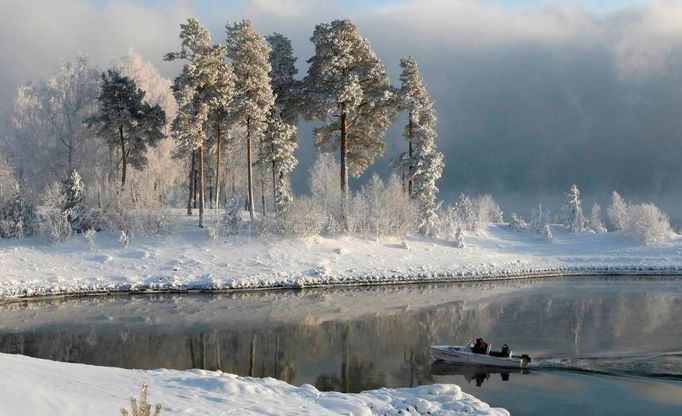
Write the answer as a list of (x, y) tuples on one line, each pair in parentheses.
[(531, 95)]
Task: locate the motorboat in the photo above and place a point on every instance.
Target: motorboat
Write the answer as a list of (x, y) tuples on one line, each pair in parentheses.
[(471, 354)]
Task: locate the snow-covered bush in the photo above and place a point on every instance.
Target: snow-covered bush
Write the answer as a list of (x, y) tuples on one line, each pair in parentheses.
[(488, 211), (539, 217), (380, 209), (617, 211), (459, 238), (18, 217), (324, 184), (154, 221), (596, 223), (232, 217), (143, 408), (57, 226), (547, 233), (647, 223), (572, 212), (332, 226), (211, 232), (517, 223), (301, 218), (471, 214), (124, 240), (448, 223), (90, 234), (8, 181)]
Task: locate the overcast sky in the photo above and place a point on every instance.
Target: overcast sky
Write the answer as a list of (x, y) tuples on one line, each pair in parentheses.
[(531, 95)]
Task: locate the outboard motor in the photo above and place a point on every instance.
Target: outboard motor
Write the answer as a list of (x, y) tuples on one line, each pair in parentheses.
[(525, 360)]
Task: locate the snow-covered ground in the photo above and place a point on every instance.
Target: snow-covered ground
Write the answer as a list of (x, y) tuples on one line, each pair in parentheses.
[(188, 260), (29, 386)]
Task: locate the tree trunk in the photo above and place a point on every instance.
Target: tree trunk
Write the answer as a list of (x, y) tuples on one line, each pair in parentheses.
[(191, 183), (216, 203), (261, 178), (409, 144), (201, 186), (344, 173), (124, 160), (274, 179), (249, 168)]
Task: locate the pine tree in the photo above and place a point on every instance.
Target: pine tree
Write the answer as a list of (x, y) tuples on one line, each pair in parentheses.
[(198, 93), (280, 142), (127, 123), (253, 99), (348, 90), (422, 163), (573, 215), (281, 136)]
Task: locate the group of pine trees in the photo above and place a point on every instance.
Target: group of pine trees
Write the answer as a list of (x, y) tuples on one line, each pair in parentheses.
[(245, 91), (231, 119)]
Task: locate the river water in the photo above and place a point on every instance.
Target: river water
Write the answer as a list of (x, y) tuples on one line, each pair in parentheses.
[(600, 345)]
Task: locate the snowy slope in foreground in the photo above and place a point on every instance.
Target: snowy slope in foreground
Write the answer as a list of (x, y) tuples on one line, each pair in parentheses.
[(187, 260), (30, 386)]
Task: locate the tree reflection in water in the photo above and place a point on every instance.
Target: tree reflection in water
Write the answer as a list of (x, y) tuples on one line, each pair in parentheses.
[(347, 339)]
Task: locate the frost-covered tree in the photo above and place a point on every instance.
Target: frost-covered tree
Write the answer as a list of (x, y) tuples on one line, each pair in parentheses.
[(517, 223), (8, 180), (422, 162), (348, 91), (382, 209), (18, 216), (459, 238), (596, 223), (539, 217), (160, 181), (323, 183), (127, 123), (647, 223), (573, 216), (280, 142), (249, 53), (195, 92), (283, 69), (466, 213), (617, 211), (50, 138)]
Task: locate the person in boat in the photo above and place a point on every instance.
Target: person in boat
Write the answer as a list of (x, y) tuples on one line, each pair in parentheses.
[(504, 352), (480, 347)]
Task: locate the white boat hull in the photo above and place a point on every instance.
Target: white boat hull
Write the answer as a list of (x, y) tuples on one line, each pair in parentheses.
[(453, 354)]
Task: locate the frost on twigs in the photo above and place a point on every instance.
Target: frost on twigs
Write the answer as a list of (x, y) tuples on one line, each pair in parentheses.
[(124, 240), (517, 223), (143, 407), (90, 235)]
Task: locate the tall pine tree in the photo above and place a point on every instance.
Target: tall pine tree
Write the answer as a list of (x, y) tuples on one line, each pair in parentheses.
[(127, 122), (348, 90), (202, 90), (253, 98), (423, 163)]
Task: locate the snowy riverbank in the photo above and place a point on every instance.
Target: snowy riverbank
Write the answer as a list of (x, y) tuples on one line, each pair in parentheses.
[(29, 386), (187, 260)]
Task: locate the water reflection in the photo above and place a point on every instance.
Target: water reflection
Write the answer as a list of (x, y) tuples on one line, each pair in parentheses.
[(350, 340), (474, 374)]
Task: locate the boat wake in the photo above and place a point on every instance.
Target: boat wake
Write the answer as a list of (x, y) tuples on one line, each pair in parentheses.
[(665, 365)]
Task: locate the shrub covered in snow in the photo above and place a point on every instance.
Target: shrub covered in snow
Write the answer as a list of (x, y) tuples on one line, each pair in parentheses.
[(90, 235), (380, 209), (18, 216), (596, 223), (459, 238), (517, 223), (301, 218), (539, 217), (144, 407), (469, 213), (647, 223), (232, 218), (57, 226)]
